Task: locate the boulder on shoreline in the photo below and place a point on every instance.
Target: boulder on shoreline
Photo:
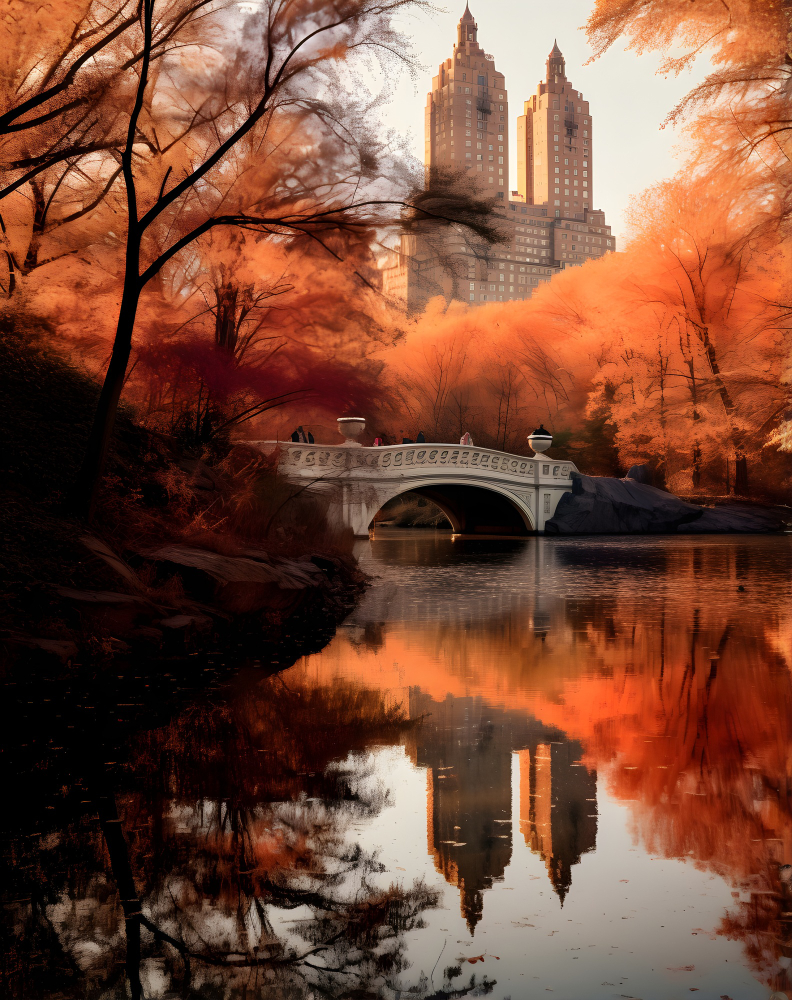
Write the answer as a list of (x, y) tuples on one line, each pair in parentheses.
[(599, 505)]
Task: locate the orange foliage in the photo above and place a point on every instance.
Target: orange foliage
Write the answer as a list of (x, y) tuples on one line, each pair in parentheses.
[(679, 343)]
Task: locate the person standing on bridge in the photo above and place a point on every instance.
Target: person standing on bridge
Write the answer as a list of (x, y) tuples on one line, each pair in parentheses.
[(466, 438)]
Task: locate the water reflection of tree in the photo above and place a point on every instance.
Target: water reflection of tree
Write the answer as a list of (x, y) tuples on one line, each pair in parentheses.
[(232, 856), (670, 661), (691, 721)]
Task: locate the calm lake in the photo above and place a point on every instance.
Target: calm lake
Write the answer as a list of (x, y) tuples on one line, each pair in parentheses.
[(520, 768)]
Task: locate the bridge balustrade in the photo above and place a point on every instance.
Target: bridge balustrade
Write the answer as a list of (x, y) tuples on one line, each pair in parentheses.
[(481, 490)]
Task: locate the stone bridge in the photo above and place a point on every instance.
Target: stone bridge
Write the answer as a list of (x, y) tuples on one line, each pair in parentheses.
[(481, 491)]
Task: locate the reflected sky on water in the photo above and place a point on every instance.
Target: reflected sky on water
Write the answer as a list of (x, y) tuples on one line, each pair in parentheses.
[(519, 767)]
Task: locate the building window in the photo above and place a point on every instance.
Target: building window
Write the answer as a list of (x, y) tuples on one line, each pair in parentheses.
[(472, 286), (482, 81), (585, 132), (555, 118), (546, 472), (467, 91), (468, 143), (500, 159)]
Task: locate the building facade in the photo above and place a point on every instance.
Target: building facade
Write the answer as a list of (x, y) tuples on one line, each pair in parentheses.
[(554, 144), (470, 93), (549, 222)]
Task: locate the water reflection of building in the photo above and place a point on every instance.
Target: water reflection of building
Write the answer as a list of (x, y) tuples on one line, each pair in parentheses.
[(467, 747), (558, 799)]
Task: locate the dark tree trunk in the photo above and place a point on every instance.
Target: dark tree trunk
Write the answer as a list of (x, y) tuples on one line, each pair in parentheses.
[(39, 217), (118, 853), (226, 332), (86, 487), (741, 474)]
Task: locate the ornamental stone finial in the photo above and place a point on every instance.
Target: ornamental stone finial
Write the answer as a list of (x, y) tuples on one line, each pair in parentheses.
[(540, 439), (351, 428)]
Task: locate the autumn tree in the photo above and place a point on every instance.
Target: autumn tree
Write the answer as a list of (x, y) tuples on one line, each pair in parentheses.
[(750, 45), (739, 115), (257, 327)]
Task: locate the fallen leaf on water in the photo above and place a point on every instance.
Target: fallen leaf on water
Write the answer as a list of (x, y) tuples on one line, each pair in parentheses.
[(681, 968)]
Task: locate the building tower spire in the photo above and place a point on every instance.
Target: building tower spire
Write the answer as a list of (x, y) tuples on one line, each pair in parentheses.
[(467, 29), (556, 67)]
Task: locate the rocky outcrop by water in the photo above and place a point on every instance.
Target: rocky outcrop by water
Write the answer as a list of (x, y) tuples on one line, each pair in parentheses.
[(598, 505), (183, 598)]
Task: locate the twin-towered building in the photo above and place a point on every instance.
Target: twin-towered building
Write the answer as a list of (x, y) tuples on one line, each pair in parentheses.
[(549, 219)]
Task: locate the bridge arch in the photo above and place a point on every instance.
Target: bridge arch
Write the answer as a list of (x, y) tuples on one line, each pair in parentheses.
[(471, 507)]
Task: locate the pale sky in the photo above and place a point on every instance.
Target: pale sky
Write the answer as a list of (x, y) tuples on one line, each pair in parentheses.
[(628, 100)]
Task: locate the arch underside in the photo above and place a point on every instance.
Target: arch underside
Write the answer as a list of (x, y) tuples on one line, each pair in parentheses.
[(474, 510)]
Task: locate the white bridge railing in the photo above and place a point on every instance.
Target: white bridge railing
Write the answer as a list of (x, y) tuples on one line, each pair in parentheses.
[(412, 459), (360, 480)]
